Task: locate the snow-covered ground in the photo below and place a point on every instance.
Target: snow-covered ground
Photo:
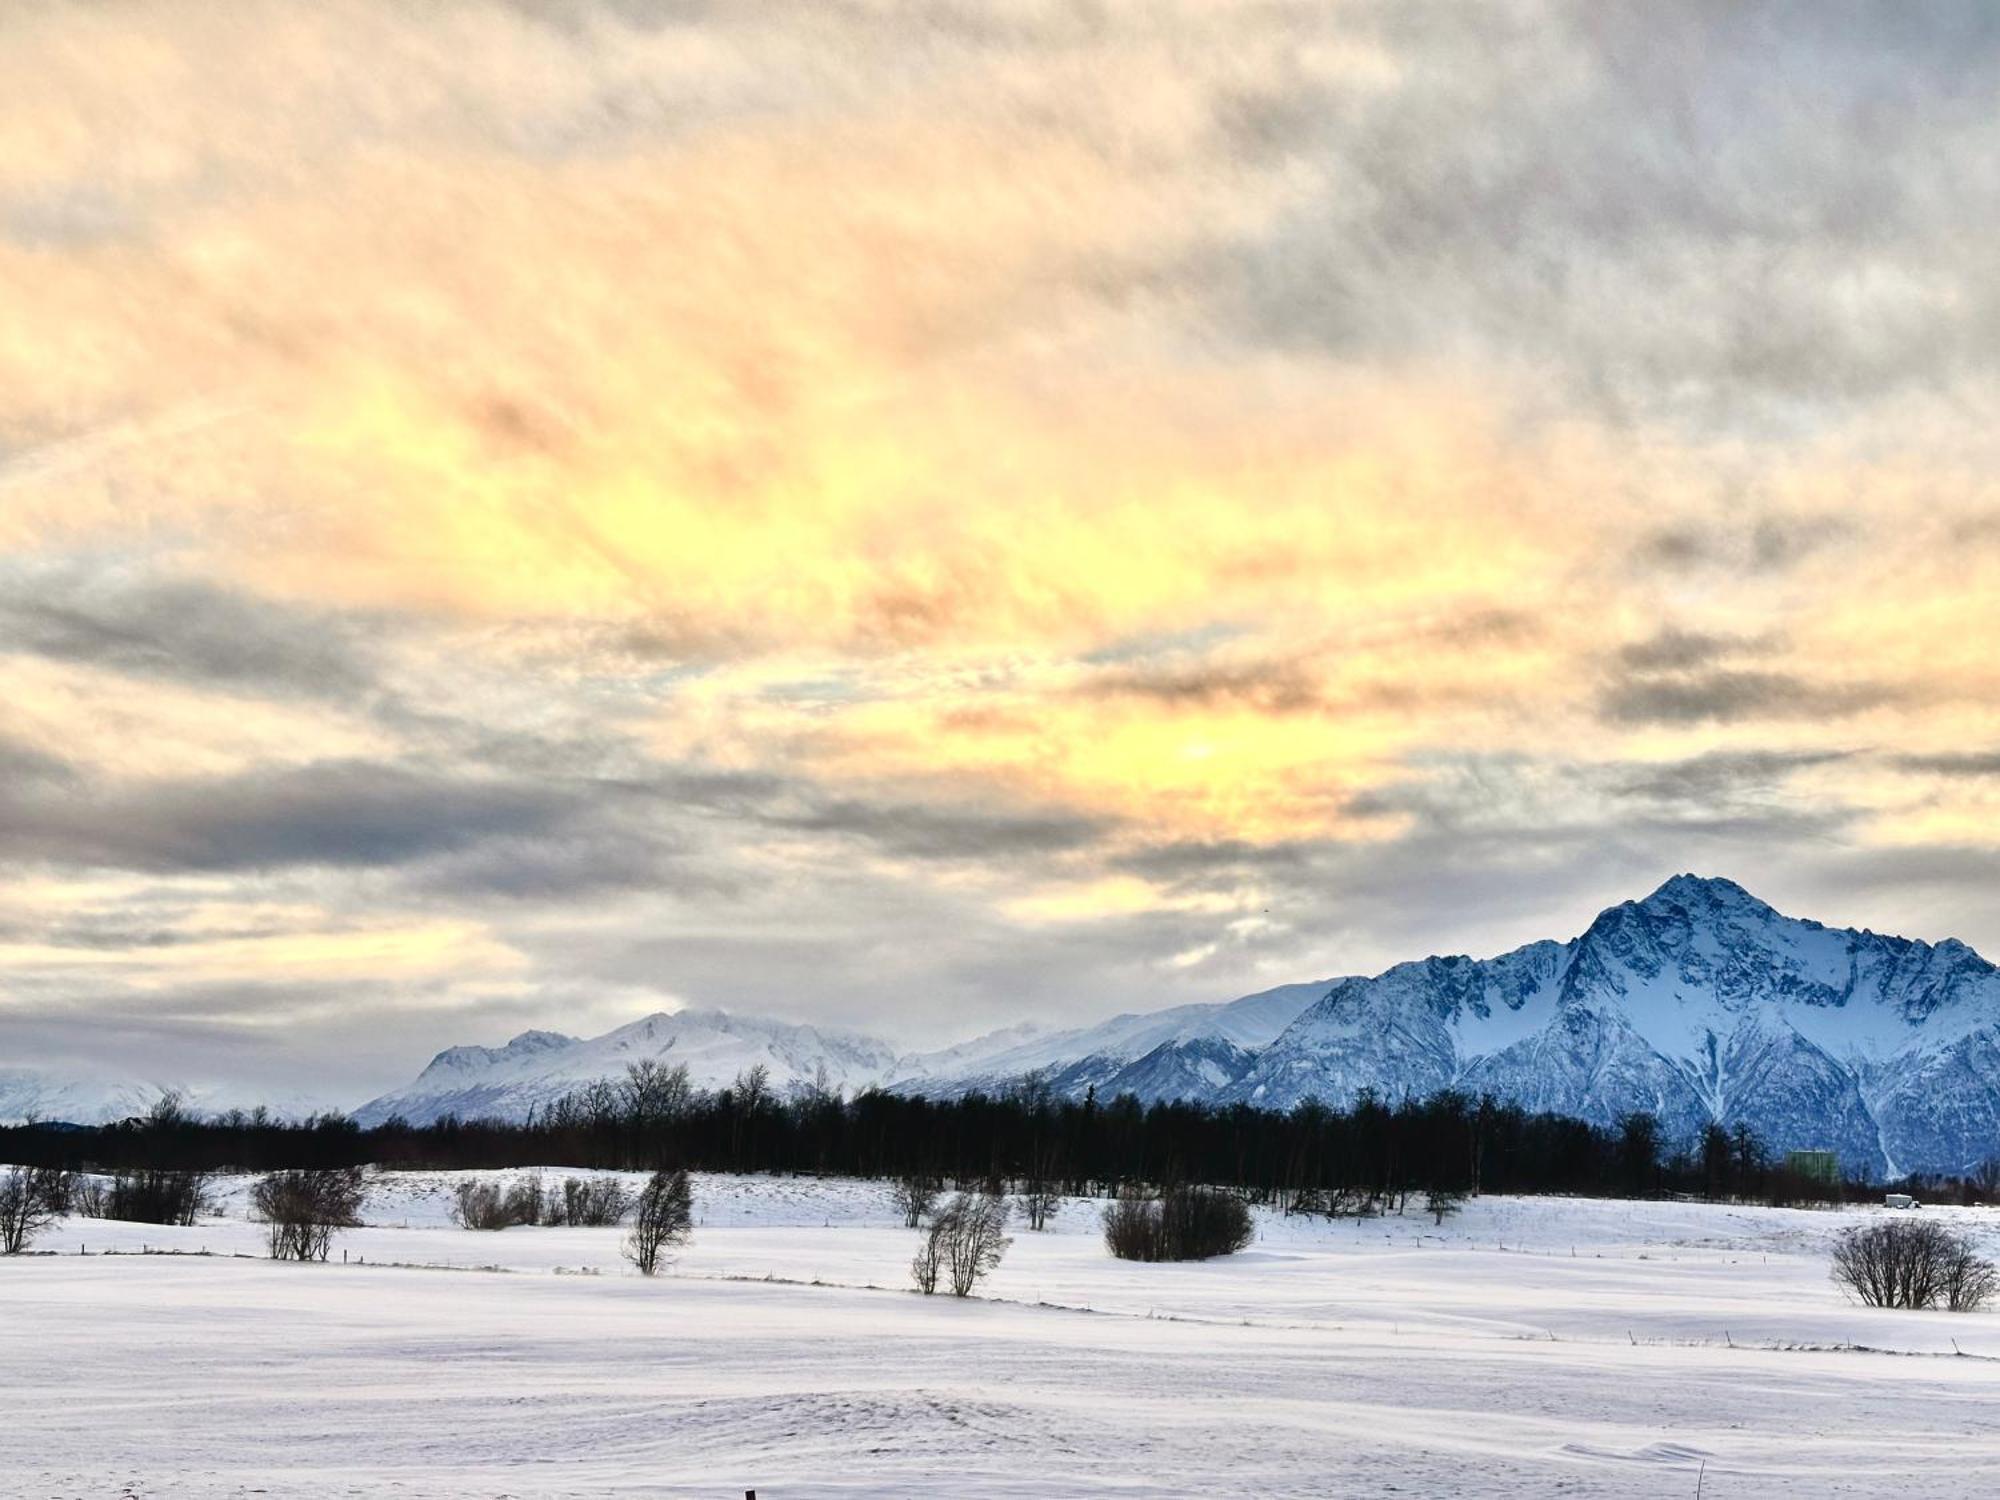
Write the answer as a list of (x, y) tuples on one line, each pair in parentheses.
[(1529, 1347)]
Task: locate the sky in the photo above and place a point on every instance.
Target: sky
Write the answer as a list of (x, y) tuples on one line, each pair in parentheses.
[(924, 516)]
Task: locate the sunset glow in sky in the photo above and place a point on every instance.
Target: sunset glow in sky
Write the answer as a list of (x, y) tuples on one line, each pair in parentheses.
[(925, 516)]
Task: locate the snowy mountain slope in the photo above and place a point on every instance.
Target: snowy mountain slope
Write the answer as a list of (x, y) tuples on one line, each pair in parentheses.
[(1698, 1003), (538, 1067), (42, 1094), (1188, 1051), (1096, 1056)]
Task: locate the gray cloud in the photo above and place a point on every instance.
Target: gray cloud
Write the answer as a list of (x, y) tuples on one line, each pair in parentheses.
[(1724, 696), (23, 766), (1723, 775), (1726, 215), (929, 831), (1758, 544), (127, 619), (1952, 763), (333, 813), (1674, 650)]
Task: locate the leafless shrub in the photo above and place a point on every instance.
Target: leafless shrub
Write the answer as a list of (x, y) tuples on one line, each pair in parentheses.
[(90, 1197), (1183, 1223), (1040, 1201), (928, 1262), (587, 1203), (665, 1217), (1333, 1203), (1041, 1194), (25, 1209), (1970, 1281), (57, 1189), (301, 1210), (480, 1203), (157, 1195), (1132, 1228), (965, 1241), (1912, 1263), (914, 1194), (1443, 1203)]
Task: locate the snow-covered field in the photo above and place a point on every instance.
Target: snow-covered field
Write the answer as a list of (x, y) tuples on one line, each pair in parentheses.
[(1530, 1347)]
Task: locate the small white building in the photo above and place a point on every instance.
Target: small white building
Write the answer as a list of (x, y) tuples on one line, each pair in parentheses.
[(1899, 1200)]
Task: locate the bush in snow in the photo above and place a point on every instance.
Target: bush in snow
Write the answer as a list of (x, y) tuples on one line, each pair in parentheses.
[(1913, 1263), (90, 1197), (588, 1203), (1041, 1190), (27, 1207), (301, 1210), (483, 1204), (914, 1194), (1183, 1223), (965, 1241), (665, 1218), (157, 1195), (1442, 1203)]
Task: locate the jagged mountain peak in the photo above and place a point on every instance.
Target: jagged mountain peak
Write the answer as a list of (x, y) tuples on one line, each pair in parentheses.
[(1708, 896), (537, 1041), (1697, 1003)]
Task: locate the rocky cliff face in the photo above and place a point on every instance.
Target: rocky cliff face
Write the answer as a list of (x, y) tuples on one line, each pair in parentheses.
[(1698, 1003)]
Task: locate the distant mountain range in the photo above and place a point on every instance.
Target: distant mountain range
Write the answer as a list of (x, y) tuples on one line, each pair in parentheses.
[(1699, 1003), (1141, 1054), (46, 1094)]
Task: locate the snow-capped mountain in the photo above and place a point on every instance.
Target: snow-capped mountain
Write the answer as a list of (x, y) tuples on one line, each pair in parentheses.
[(1187, 1051), (538, 1067), (1191, 1049), (1698, 1003), (43, 1094)]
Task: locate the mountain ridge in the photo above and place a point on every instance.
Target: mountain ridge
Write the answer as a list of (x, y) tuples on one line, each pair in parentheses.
[(1698, 1002)]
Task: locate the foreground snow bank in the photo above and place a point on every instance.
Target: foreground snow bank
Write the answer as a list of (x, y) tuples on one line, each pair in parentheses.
[(1530, 1346)]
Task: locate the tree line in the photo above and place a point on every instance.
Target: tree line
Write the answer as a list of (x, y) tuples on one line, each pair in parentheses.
[(1311, 1159)]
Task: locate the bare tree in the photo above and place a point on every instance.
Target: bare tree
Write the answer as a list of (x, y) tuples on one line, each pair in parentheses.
[(302, 1209), (928, 1262), (654, 1094), (753, 1088), (170, 1111), (58, 1189), (816, 1092), (914, 1195), (1970, 1281), (90, 1197), (1913, 1263), (965, 1241), (598, 1102), (25, 1209), (587, 1203), (1041, 1193), (665, 1218), (1441, 1203)]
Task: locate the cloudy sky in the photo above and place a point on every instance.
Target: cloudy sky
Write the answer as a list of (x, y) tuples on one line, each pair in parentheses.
[(926, 515)]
